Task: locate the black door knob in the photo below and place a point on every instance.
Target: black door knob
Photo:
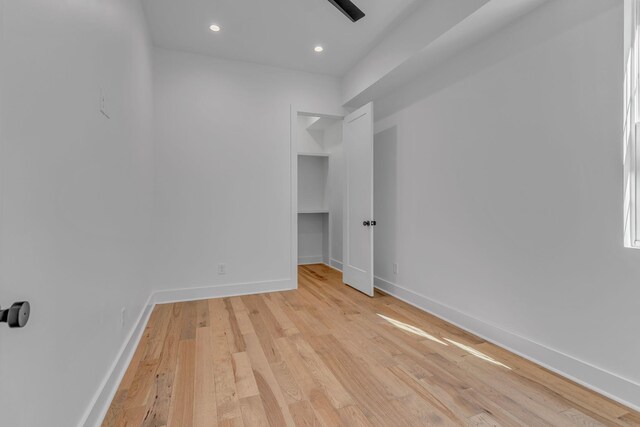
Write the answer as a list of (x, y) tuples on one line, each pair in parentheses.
[(366, 223), (17, 316)]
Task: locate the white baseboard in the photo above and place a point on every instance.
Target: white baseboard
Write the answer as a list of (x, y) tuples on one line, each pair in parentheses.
[(328, 264), (335, 264), (597, 379), (306, 260), (235, 289), (107, 390)]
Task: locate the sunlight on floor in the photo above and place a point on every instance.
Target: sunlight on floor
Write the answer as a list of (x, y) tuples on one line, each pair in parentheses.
[(412, 329), (417, 331), (477, 354)]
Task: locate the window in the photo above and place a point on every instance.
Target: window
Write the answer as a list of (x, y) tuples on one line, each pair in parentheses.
[(631, 127)]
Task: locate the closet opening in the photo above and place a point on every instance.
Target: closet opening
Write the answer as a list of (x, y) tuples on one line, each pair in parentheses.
[(319, 164), (332, 194)]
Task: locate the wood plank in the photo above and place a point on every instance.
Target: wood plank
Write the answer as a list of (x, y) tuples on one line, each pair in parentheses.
[(158, 407), (205, 412), (579, 418), (116, 409), (288, 385), (287, 325), (264, 324), (245, 381), (353, 416), (357, 379), (483, 420), (188, 321), (303, 415), (315, 387), (231, 422), (237, 344), (182, 400), (333, 388), (275, 404), (253, 413), (228, 405), (133, 416), (202, 313)]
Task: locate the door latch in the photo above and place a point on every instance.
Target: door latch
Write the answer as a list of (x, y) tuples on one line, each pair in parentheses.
[(17, 315)]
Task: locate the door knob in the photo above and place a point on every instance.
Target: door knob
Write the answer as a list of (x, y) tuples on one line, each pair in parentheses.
[(366, 223), (17, 316)]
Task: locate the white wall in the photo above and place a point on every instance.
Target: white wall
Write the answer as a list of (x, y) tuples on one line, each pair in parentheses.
[(428, 20), (313, 174), (224, 166), (312, 238), (309, 141), (76, 198), (509, 192), (385, 203), (333, 145)]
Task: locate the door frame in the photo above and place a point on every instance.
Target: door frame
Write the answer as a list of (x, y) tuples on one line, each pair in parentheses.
[(293, 152)]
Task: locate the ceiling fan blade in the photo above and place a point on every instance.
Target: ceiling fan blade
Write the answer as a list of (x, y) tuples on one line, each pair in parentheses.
[(349, 9)]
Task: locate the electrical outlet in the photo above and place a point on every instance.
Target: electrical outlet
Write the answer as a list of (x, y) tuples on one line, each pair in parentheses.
[(222, 269), (395, 268)]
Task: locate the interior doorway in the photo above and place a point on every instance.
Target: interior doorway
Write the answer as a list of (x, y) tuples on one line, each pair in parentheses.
[(317, 159), (332, 193)]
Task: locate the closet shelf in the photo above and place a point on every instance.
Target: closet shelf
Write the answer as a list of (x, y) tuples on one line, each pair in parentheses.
[(314, 154), (313, 211)]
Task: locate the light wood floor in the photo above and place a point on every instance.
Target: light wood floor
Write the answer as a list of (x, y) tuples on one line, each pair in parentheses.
[(327, 355)]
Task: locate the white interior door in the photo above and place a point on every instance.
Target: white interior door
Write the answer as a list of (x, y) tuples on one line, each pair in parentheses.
[(358, 202)]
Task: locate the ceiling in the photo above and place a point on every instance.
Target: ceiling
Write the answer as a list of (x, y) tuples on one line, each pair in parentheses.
[(281, 33)]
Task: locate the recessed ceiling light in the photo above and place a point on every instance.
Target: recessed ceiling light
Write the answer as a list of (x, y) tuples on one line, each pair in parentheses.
[(318, 49), (214, 28)]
